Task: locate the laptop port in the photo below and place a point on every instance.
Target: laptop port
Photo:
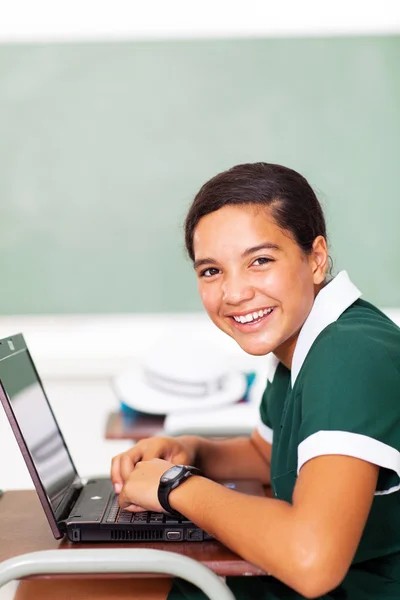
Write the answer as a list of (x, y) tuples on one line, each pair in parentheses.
[(76, 535), (194, 535), (174, 535)]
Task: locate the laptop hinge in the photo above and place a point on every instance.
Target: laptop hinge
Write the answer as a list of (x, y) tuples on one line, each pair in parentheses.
[(66, 504)]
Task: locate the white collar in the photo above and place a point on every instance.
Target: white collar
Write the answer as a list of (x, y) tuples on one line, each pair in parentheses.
[(331, 302)]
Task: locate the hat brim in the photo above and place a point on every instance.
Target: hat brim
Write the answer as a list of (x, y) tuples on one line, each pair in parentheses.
[(133, 391)]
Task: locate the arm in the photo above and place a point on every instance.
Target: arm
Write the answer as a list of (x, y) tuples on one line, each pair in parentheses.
[(309, 545), (247, 458), (240, 458)]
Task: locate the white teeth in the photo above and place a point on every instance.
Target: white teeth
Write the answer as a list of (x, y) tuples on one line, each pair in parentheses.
[(252, 316)]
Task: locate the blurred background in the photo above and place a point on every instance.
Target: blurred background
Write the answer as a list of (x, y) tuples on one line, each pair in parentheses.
[(105, 142), (112, 115)]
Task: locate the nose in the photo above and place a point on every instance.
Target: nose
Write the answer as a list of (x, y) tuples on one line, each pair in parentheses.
[(236, 290)]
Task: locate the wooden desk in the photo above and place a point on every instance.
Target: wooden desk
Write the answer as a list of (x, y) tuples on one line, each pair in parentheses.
[(24, 528), (121, 426)]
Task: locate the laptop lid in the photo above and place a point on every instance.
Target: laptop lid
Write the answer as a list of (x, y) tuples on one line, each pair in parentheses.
[(37, 432)]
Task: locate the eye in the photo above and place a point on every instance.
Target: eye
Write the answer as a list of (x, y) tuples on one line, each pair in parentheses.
[(210, 272), (262, 260)]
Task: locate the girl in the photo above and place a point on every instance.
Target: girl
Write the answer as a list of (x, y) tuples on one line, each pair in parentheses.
[(328, 438)]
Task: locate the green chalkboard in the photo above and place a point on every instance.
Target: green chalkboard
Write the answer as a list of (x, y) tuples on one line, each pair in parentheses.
[(104, 145)]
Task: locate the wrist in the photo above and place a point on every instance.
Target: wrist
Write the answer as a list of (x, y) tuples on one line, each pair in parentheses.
[(172, 478), (182, 496)]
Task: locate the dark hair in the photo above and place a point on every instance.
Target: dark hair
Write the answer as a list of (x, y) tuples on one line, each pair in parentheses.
[(294, 205)]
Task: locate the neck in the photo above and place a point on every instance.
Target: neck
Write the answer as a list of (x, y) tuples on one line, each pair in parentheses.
[(286, 350)]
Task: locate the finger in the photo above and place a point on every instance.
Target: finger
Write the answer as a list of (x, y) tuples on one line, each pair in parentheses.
[(117, 476), (159, 451), (126, 503), (126, 466), (135, 508), (180, 458), (136, 453), (116, 473), (173, 451)]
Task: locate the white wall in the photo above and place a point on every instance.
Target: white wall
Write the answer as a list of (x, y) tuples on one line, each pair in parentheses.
[(23, 20)]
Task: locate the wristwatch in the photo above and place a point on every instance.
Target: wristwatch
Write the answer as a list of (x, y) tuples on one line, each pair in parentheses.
[(170, 480)]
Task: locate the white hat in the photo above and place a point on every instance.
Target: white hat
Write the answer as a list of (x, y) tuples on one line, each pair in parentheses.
[(182, 373)]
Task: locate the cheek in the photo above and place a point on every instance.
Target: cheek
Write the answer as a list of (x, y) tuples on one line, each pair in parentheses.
[(301, 296), (211, 299), (279, 284), (292, 289), (207, 297)]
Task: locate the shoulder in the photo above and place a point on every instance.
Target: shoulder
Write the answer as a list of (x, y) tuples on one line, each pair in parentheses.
[(363, 337), (353, 368)]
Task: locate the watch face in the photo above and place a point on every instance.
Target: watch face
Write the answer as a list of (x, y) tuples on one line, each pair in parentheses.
[(171, 474)]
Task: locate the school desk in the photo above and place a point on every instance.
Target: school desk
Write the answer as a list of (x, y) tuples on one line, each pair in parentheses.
[(24, 528), (120, 426)]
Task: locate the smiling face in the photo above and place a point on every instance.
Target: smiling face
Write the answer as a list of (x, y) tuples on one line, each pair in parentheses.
[(255, 282)]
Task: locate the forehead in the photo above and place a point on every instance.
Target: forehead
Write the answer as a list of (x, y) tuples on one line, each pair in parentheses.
[(233, 229)]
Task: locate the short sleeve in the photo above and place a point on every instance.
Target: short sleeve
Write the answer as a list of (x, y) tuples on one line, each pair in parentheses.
[(350, 403)]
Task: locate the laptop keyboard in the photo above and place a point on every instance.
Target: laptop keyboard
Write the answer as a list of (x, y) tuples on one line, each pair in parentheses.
[(117, 515)]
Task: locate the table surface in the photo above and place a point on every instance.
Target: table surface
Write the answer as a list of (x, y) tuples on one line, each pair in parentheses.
[(24, 528), (121, 426)]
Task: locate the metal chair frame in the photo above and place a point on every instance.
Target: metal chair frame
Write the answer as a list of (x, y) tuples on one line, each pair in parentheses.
[(53, 562)]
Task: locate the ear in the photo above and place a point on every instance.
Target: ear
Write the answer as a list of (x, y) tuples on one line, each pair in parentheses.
[(319, 259)]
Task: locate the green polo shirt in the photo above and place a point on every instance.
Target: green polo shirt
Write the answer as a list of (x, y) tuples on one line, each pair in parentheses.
[(345, 400), (342, 396)]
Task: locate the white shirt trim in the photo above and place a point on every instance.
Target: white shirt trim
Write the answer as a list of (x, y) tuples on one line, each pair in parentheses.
[(266, 432), (330, 303), (347, 443)]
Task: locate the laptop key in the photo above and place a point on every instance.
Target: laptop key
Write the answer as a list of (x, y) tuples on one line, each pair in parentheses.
[(156, 518), (111, 518), (171, 520), (124, 517), (139, 521)]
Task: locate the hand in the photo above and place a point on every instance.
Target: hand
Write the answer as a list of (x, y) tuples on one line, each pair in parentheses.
[(140, 491), (173, 450)]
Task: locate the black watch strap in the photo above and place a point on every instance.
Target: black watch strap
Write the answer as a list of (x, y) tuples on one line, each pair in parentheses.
[(165, 488)]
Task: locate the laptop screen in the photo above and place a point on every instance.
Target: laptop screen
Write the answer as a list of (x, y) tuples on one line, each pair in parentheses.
[(38, 427)]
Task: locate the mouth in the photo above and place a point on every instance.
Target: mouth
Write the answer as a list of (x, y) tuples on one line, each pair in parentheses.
[(249, 321)]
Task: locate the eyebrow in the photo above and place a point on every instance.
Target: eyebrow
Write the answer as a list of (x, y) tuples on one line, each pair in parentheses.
[(264, 246), (247, 252)]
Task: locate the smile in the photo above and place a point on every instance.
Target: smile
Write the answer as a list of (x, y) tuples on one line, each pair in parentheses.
[(253, 317)]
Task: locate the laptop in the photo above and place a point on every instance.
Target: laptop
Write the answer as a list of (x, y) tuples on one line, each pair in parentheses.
[(86, 511)]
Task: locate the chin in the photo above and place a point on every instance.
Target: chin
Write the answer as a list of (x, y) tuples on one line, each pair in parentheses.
[(260, 349)]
